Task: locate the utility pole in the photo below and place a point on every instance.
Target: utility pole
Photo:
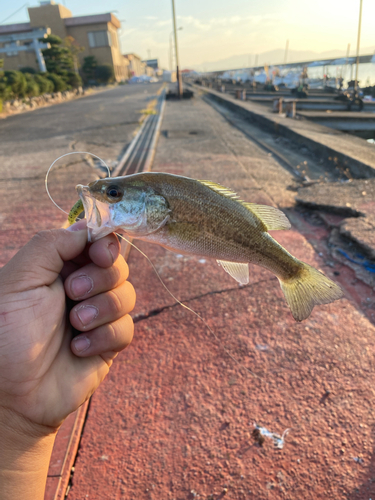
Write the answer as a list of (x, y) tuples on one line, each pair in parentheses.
[(256, 60), (286, 52), (343, 73), (358, 42), (179, 79), (171, 52)]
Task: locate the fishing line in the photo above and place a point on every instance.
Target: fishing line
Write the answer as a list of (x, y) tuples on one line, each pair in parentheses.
[(188, 308), (147, 258), (59, 158)]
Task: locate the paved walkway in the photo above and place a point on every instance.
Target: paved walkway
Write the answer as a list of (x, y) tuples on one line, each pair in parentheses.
[(349, 152), (174, 418)]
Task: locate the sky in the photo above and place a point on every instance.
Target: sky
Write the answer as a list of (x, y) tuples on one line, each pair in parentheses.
[(216, 29)]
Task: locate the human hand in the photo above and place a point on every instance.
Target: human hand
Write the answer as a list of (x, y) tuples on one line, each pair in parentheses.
[(43, 374)]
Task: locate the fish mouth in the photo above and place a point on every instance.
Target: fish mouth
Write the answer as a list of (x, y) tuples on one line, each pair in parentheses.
[(97, 214)]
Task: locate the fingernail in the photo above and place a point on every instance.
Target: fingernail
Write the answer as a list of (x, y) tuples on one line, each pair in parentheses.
[(81, 344), (113, 250), (87, 314), (81, 285), (78, 226)]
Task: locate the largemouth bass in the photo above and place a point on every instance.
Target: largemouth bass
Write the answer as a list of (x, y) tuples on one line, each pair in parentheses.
[(202, 218)]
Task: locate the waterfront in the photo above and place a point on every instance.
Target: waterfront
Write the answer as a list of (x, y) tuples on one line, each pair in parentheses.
[(290, 77)]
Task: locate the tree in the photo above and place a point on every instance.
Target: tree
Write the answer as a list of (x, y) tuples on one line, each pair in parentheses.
[(75, 49), (88, 68), (58, 58), (105, 73)]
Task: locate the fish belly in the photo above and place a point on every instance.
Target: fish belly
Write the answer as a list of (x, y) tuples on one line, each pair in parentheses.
[(258, 248)]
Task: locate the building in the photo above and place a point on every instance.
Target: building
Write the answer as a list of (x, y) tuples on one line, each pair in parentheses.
[(135, 66), (96, 33), (152, 63)]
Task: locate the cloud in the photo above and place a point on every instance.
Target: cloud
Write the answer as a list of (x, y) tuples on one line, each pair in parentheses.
[(192, 21), (125, 32), (203, 38), (167, 22)]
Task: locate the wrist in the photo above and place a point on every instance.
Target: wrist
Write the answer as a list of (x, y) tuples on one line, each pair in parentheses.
[(25, 453)]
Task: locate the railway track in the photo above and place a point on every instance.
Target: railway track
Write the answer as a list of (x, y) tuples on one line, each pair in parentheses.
[(139, 155)]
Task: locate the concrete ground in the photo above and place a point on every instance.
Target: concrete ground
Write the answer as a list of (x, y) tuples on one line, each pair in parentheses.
[(175, 417), (350, 153)]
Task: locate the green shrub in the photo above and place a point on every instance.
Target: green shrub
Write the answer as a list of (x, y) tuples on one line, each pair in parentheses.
[(88, 67), (73, 79), (45, 85), (59, 85), (105, 73), (17, 83), (32, 89), (28, 69), (2, 88)]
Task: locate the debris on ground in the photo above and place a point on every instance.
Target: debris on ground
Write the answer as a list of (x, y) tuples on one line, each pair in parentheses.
[(262, 347), (260, 433)]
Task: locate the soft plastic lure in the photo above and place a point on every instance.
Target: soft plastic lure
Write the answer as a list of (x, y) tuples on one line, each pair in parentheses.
[(75, 211)]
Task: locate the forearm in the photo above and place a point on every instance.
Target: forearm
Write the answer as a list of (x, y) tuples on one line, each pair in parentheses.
[(24, 458)]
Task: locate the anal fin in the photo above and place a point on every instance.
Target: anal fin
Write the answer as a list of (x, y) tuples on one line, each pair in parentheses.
[(238, 271)]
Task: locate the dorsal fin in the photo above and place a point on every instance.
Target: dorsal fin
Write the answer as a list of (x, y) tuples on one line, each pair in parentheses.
[(272, 217), (220, 189)]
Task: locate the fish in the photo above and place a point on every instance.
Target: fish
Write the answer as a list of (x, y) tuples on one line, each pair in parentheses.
[(205, 219)]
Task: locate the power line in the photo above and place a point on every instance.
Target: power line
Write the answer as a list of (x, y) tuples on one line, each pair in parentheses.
[(6, 19)]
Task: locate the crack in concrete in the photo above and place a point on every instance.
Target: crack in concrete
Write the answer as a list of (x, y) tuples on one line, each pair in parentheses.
[(35, 177), (108, 126), (158, 310)]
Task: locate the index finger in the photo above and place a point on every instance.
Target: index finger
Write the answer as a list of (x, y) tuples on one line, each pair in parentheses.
[(103, 252)]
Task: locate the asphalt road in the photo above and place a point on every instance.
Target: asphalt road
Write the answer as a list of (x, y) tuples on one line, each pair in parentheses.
[(102, 123)]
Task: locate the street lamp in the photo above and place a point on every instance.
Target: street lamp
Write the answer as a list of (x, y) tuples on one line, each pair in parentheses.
[(358, 41), (171, 49)]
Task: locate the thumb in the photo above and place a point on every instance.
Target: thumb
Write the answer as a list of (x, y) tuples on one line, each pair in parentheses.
[(41, 260)]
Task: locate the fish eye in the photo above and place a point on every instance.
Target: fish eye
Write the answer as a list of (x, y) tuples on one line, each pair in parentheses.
[(114, 192)]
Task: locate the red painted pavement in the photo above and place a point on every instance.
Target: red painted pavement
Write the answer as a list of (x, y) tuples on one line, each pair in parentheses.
[(174, 418)]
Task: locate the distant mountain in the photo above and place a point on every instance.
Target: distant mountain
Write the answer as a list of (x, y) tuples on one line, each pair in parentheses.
[(274, 57)]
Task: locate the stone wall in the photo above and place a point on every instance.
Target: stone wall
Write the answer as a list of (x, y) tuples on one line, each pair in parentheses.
[(28, 103)]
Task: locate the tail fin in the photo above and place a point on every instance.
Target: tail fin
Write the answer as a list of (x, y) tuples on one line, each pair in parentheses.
[(307, 290)]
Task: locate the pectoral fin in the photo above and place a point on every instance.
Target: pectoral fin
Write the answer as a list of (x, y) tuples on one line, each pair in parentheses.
[(240, 272)]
